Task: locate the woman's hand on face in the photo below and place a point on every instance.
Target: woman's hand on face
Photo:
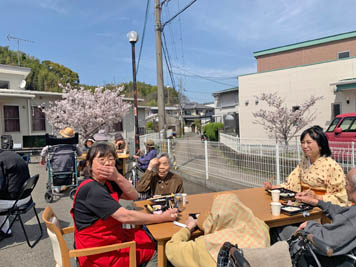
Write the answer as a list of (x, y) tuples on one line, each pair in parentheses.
[(191, 223), (169, 215), (108, 173)]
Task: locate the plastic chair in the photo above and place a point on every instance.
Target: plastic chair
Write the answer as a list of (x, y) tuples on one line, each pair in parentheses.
[(61, 252), (17, 210)]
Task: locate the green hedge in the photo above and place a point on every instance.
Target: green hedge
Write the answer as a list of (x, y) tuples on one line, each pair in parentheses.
[(211, 130)]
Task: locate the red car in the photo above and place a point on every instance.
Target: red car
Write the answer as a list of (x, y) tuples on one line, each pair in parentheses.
[(341, 134)]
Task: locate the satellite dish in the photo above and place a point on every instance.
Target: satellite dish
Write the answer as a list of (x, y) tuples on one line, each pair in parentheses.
[(22, 84), (229, 117)]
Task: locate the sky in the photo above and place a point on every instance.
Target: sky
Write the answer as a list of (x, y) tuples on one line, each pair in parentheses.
[(209, 44)]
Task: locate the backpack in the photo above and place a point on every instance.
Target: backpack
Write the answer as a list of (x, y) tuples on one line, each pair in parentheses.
[(231, 256)]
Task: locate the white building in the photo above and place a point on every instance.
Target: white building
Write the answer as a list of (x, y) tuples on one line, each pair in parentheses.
[(21, 110), (323, 67)]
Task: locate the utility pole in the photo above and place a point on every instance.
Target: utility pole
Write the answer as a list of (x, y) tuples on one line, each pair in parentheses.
[(9, 37), (160, 89), (180, 94)]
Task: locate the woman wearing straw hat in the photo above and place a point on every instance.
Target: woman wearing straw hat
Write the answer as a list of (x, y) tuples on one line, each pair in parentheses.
[(67, 132), (144, 159)]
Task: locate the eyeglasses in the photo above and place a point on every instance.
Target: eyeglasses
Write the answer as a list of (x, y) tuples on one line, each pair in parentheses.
[(103, 160)]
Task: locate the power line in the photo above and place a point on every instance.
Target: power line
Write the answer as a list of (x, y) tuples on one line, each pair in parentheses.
[(168, 60), (180, 12), (204, 78), (143, 35)]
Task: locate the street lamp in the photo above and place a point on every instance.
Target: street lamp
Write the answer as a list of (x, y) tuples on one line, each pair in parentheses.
[(132, 36)]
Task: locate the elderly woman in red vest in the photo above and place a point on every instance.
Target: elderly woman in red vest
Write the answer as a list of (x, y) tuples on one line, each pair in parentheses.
[(98, 216)]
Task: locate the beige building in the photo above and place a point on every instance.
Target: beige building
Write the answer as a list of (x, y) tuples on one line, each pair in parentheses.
[(21, 110), (322, 67)]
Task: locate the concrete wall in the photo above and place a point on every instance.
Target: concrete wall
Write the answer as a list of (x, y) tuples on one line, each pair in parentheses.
[(296, 85)]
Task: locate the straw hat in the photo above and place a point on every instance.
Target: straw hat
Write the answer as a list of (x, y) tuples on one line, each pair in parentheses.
[(67, 132), (118, 137), (101, 136), (150, 143)]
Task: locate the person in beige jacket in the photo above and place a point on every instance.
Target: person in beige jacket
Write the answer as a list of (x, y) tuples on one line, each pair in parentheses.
[(229, 220)]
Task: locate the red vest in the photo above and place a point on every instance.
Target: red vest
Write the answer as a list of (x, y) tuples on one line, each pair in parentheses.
[(107, 232)]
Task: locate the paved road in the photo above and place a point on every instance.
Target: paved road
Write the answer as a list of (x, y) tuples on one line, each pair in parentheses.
[(15, 252), (223, 174)]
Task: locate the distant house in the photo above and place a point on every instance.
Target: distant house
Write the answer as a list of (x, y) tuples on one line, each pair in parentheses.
[(21, 110), (172, 118), (226, 104), (321, 67), (193, 111)]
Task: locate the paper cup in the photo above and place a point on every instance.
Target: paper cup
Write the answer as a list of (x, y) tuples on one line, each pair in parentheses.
[(276, 208), (275, 195), (184, 196)]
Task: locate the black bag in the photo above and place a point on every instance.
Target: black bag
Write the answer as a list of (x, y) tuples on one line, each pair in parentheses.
[(231, 256)]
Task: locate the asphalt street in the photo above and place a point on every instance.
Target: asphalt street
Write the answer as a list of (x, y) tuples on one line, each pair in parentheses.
[(14, 250)]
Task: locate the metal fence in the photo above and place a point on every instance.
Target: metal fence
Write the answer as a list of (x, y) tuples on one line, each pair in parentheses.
[(232, 161)]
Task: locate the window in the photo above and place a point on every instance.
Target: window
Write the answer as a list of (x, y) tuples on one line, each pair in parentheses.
[(12, 118), (38, 119), (118, 126), (344, 54), (333, 125), (295, 108), (336, 109), (346, 123), (4, 84)]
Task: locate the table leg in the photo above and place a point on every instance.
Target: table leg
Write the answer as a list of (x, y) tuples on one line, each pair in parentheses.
[(161, 255)]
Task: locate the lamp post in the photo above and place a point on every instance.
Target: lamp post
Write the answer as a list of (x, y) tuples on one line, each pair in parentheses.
[(132, 36)]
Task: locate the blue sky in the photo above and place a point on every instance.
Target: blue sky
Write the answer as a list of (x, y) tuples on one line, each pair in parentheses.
[(210, 43)]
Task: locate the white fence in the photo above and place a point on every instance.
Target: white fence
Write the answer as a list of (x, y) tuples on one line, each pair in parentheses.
[(233, 161)]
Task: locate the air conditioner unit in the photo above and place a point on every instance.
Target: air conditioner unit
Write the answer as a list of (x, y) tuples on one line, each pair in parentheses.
[(7, 142)]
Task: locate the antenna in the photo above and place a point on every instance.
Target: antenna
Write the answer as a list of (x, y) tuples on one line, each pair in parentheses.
[(9, 37)]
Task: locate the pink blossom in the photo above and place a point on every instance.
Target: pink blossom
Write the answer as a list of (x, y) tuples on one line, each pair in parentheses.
[(87, 111)]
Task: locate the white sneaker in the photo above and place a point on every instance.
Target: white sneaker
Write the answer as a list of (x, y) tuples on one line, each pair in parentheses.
[(57, 189)]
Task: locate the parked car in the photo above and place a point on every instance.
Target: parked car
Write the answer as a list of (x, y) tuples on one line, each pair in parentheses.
[(341, 134)]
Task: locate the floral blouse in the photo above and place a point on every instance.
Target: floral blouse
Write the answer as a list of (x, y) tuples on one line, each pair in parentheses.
[(324, 173)]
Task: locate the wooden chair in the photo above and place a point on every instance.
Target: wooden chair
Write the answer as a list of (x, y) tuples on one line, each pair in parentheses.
[(61, 252)]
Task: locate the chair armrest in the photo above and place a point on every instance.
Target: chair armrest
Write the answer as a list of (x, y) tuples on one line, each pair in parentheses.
[(68, 230), (98, 250)]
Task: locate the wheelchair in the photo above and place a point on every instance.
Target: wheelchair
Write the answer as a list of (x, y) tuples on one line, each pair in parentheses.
[(133, 175), (61, 166), (309, 251)]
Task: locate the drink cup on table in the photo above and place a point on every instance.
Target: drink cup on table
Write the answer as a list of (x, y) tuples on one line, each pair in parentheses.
[(276, 208), (184, 199), (275, 195)]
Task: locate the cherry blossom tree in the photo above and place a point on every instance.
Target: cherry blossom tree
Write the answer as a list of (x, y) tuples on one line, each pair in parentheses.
[(282, 122), (87, 111)]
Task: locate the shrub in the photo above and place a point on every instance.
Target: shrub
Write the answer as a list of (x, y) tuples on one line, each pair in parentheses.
[(211, 130)]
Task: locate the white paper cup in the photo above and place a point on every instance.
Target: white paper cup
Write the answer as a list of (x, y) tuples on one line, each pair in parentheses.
[(275, 195), (184, 196), (276, 208)]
